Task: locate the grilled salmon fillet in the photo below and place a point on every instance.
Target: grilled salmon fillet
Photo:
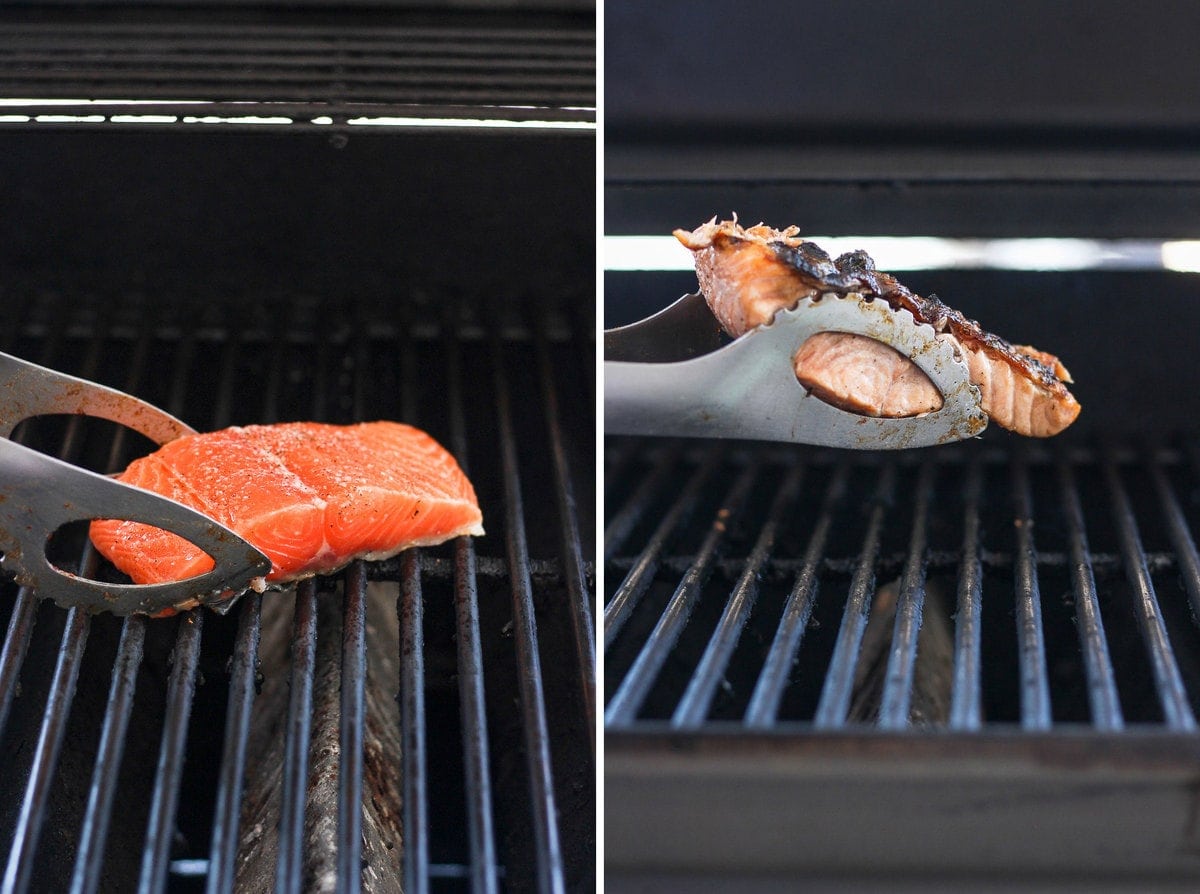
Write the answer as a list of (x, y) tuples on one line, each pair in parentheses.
[(747, 274), (312, 497), (864, 376)]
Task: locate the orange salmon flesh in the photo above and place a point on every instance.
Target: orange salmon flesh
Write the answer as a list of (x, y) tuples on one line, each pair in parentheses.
[(312, 497)]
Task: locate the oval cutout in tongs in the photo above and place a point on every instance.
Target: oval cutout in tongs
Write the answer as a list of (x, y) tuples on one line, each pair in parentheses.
[(669, 375), (40, 494)]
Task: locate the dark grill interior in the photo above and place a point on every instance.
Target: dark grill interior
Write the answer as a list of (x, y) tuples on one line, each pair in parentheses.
[(125, 744)]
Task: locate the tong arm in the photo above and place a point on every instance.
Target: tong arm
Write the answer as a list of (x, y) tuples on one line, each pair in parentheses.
[(684, 330), (41, 494), (28, 390), (748, 388)]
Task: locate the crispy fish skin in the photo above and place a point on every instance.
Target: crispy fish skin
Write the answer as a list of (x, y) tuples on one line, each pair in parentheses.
[(749, 273)]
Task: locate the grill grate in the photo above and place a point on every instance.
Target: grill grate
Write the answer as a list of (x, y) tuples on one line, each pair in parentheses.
[(971, 588), (145, 729), (975, 662), (500, 62)]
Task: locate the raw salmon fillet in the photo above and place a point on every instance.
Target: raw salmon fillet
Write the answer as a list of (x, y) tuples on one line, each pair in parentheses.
[(747, 274), (312, 497)]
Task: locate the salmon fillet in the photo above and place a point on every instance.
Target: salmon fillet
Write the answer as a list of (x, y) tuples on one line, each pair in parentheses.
[(864, 376), (312, 497), (748, 274)]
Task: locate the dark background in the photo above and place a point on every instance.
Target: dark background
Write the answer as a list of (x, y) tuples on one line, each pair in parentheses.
[(915, 67), (937, 119), (300, 211)]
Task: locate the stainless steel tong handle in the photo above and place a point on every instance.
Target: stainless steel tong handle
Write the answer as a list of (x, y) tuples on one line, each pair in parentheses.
[(39, 494), (748, 388), (27, 390)]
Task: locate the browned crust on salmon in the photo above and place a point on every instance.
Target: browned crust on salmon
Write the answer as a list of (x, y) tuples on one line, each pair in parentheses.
[(749, 273)]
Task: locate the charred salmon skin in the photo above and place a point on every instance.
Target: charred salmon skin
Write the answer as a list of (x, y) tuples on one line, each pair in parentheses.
[(312, 497), (747, 274)]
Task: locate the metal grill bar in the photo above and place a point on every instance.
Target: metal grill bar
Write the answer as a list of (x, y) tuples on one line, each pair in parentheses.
[(19, 872), (202, 33), (20, 624), (338, 845), (94, 833), (298, 730), (768, 692), (965, 694), (98, 815), (839, 681), (473, 710), (480, 828), (298, 736), (1177, 530), (1102, 687), (242, 688), (180, 689), (625, 703), (618, 609), (426, 101), (529, 670), (312, 826), (623, 522), (572, 547), (1035, 688), (898, 684), (228, 114), (223, 849), (496, 64), (429, 76), (981, 650), (16, 644), (353, 721), (427, 61), (354, 679), (1167, 679), (697, 698), (411, 611)]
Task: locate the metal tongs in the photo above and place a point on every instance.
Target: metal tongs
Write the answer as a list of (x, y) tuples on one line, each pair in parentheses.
[(675, 374), (39, 494)]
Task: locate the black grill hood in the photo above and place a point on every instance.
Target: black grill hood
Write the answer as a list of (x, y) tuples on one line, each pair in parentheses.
[(921, 117)]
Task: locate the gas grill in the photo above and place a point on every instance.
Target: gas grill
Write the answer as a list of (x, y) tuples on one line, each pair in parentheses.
[(328, 252), (795, 634), (963, 667)]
